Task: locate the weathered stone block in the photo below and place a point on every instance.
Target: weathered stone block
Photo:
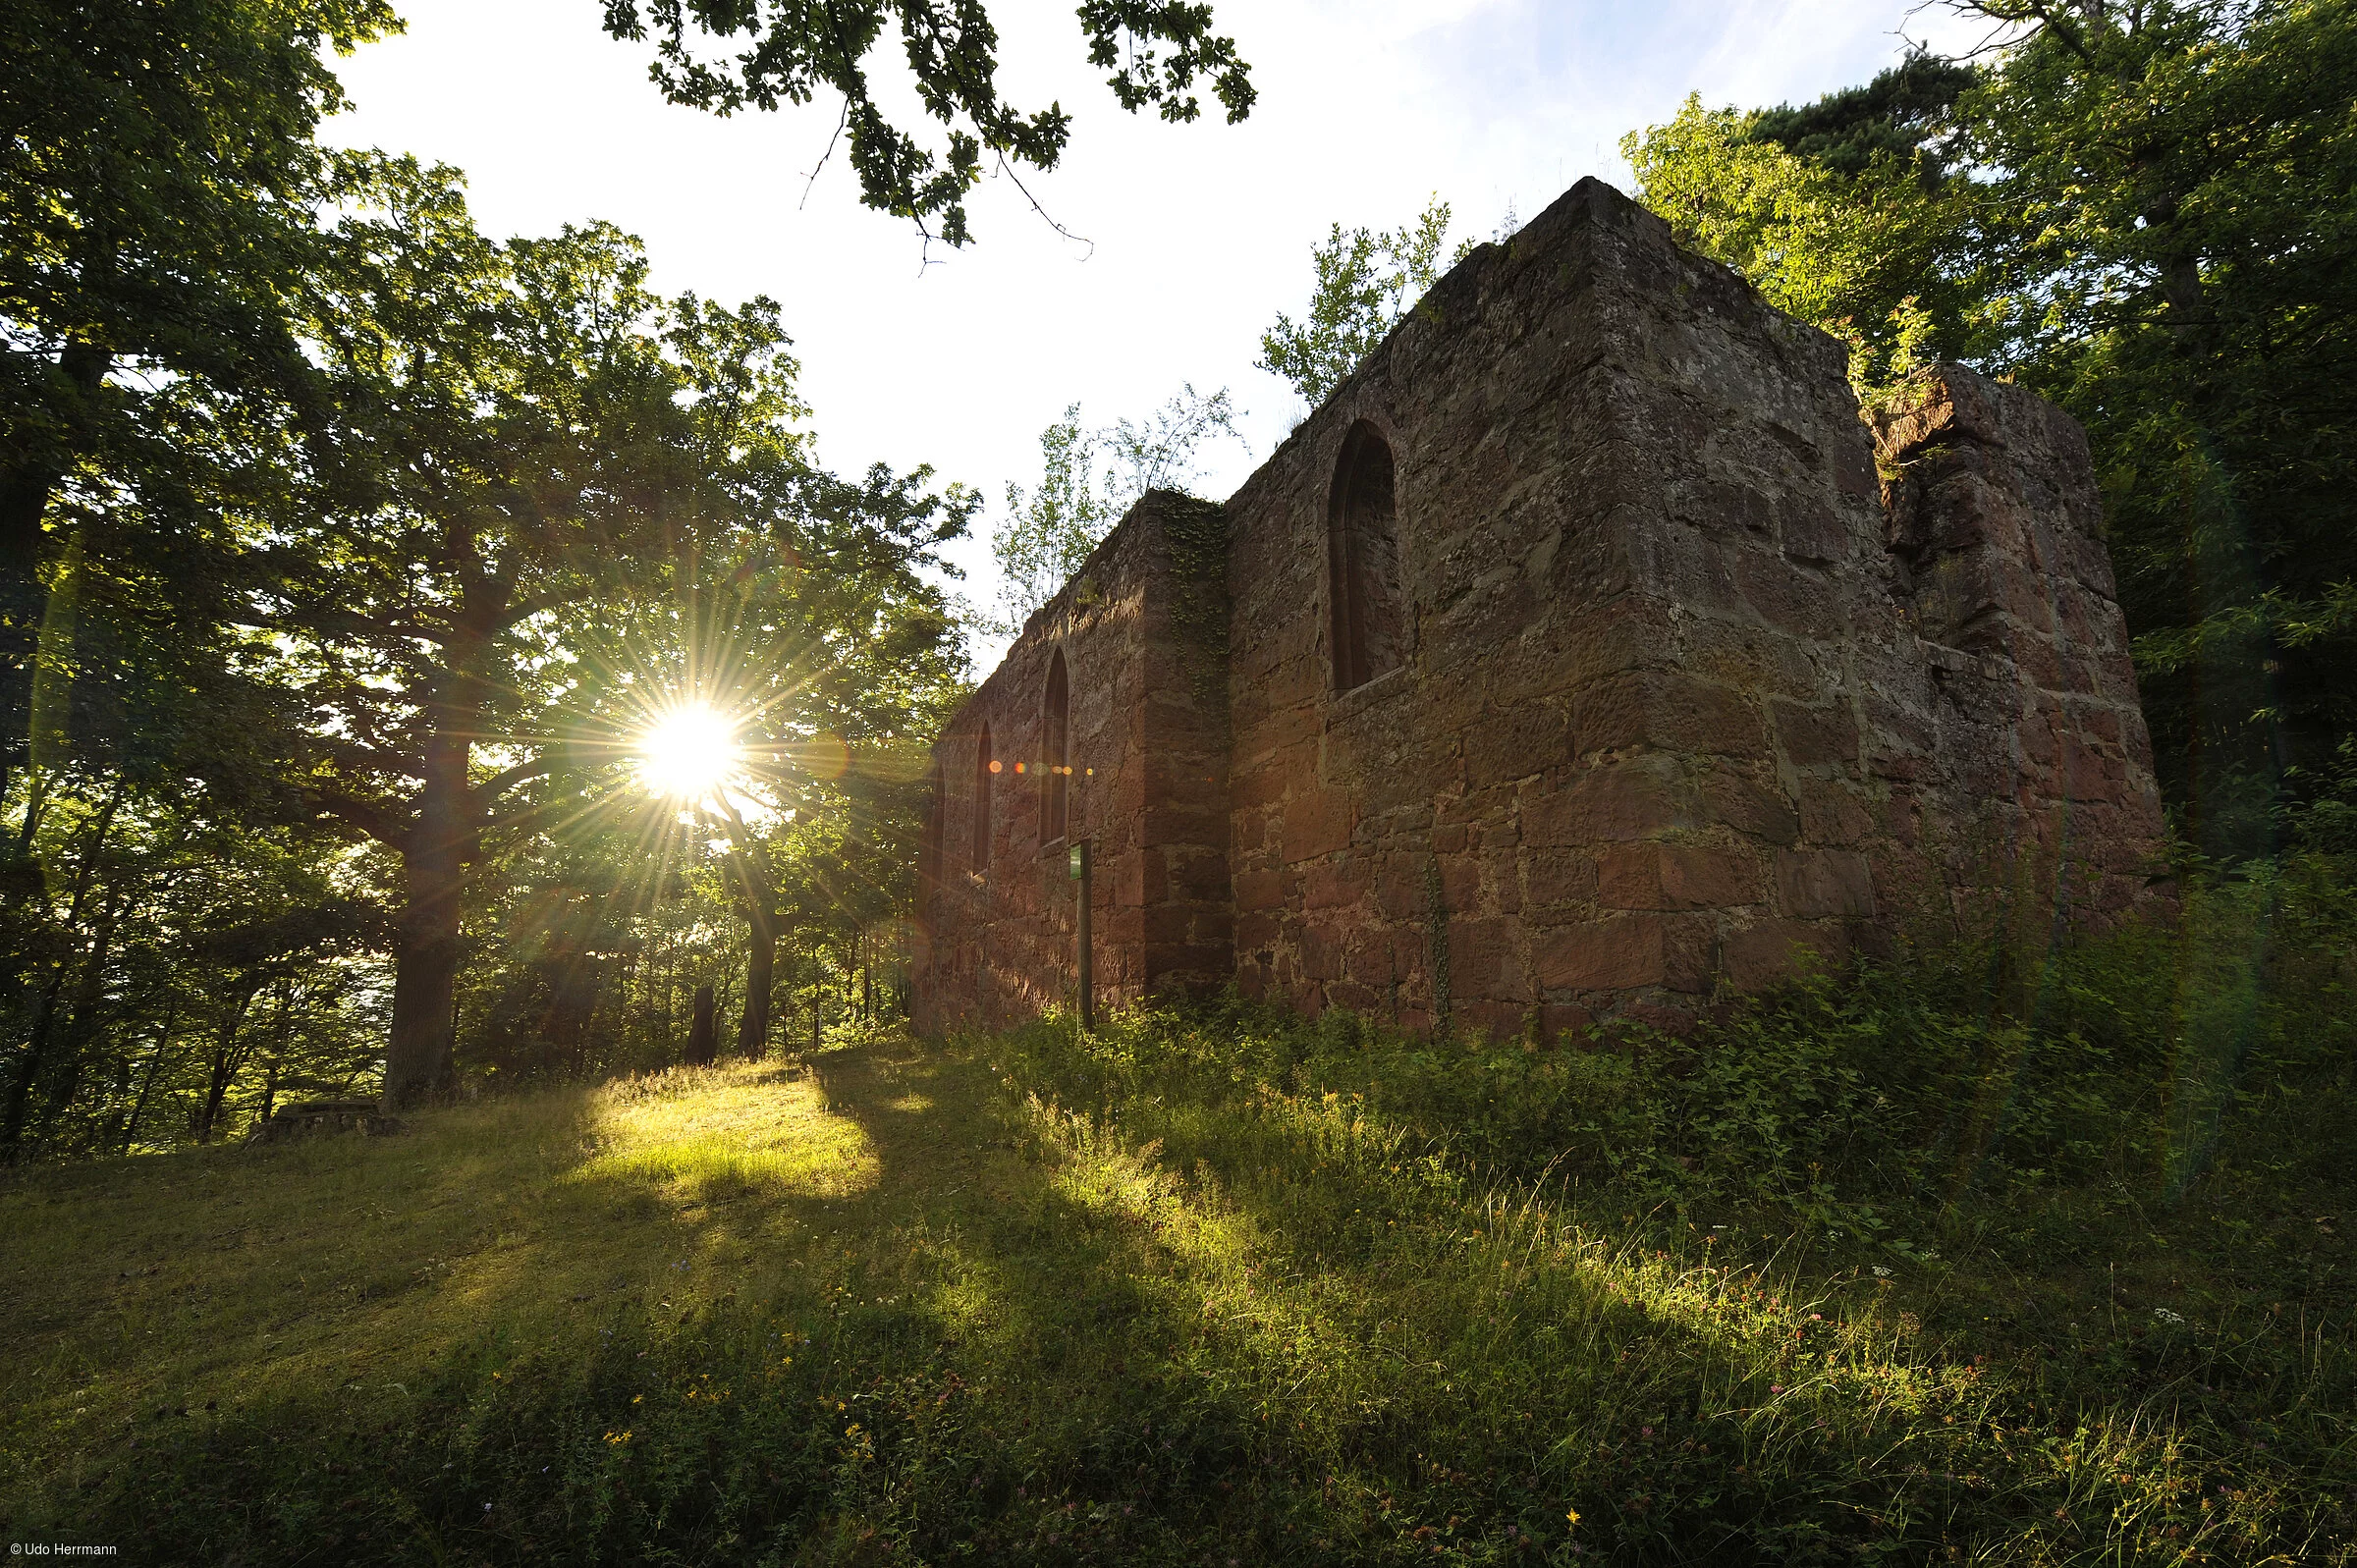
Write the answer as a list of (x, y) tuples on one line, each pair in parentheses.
[(1763, 954), (1812, 737), (1813, 531), (1783, 596), (1613, 801), (1815, 884), (1552, 877), (1752, 808), (1485, 959), (1831, 813), (1617, 954), (1334, 886), (1663, 876), (1316, 824), (1500, 747), (1663, 709), (1259, 890)]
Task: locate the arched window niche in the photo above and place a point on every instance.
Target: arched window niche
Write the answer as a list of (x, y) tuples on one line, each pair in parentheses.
[(937, 807), (1362, 554), (986, 765), (1055, 729)]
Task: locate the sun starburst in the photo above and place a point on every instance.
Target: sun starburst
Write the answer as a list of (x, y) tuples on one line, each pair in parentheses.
[(688, 753)]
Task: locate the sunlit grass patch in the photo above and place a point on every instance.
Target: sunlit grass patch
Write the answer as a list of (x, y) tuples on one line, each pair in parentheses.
[(1672, 1382), (728, 1127), (1012, 1313), (335, 1272)]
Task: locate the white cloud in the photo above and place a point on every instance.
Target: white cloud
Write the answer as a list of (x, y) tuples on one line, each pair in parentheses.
[(1200, 233)]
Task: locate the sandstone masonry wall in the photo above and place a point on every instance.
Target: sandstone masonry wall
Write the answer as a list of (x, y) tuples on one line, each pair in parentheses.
[(1690, 677), (1139, 628), (1994, 530)]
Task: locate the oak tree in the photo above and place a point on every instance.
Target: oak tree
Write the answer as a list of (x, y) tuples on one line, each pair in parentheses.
[(1154, 50)]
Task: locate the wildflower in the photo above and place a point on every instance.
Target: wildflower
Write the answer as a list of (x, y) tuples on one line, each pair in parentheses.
[(1776, 1388)]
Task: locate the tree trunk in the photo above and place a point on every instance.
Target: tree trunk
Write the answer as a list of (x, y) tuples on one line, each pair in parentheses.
[(81, 1023), (36, 1044), (701, 1041), (760, 974), (26, 488), (163, 1043), (227, 1059), (269, 1093), (751, 870), (426, 952)]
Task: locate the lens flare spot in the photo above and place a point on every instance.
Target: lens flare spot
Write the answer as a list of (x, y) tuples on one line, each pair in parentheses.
[(824, 756)]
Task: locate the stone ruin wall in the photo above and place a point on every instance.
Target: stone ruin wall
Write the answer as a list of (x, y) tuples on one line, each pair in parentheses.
[(1139, 627), (1995, 540), (1688, 680)]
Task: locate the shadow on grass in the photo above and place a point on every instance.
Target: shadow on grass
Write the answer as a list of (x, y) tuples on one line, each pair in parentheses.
[(985, 1329), (621, 1355)]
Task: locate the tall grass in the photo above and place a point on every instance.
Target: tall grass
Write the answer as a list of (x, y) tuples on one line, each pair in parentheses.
[(1898, 1266)]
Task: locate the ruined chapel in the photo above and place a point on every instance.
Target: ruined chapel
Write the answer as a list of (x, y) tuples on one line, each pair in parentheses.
[(1584, 654)]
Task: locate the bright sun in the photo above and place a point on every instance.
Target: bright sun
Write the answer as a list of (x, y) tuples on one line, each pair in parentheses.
[(688, 753)]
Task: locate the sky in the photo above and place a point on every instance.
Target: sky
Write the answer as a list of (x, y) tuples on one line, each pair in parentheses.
[(1192, 237)]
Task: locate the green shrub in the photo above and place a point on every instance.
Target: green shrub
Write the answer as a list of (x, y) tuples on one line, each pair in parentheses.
[(1876, 1101)]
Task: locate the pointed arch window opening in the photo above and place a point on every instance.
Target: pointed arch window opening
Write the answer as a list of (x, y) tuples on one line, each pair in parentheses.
[(1364, 577), (930, 863), (1055, 796)]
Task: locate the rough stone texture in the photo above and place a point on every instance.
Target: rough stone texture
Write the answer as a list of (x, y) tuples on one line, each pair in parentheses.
[(291, 1122), (1700, 672), (1141, 629)]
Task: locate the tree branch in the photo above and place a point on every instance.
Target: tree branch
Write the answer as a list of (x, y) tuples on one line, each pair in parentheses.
[(368, 816), (507, 779)]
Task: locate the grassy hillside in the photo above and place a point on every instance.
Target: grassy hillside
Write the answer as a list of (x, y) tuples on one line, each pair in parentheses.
[(1221, 1288)]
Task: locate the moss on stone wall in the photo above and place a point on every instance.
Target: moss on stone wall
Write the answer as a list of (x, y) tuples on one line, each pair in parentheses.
[(1197, 534)]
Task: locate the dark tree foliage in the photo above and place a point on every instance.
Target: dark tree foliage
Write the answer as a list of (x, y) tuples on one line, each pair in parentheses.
[(168, 921), (1907, 113), (1154, 51), (2149, 213), (348, 556), (2178, 216), (156, 196)]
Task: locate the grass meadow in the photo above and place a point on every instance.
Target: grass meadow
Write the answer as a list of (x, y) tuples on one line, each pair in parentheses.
[(1870, 1272)]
